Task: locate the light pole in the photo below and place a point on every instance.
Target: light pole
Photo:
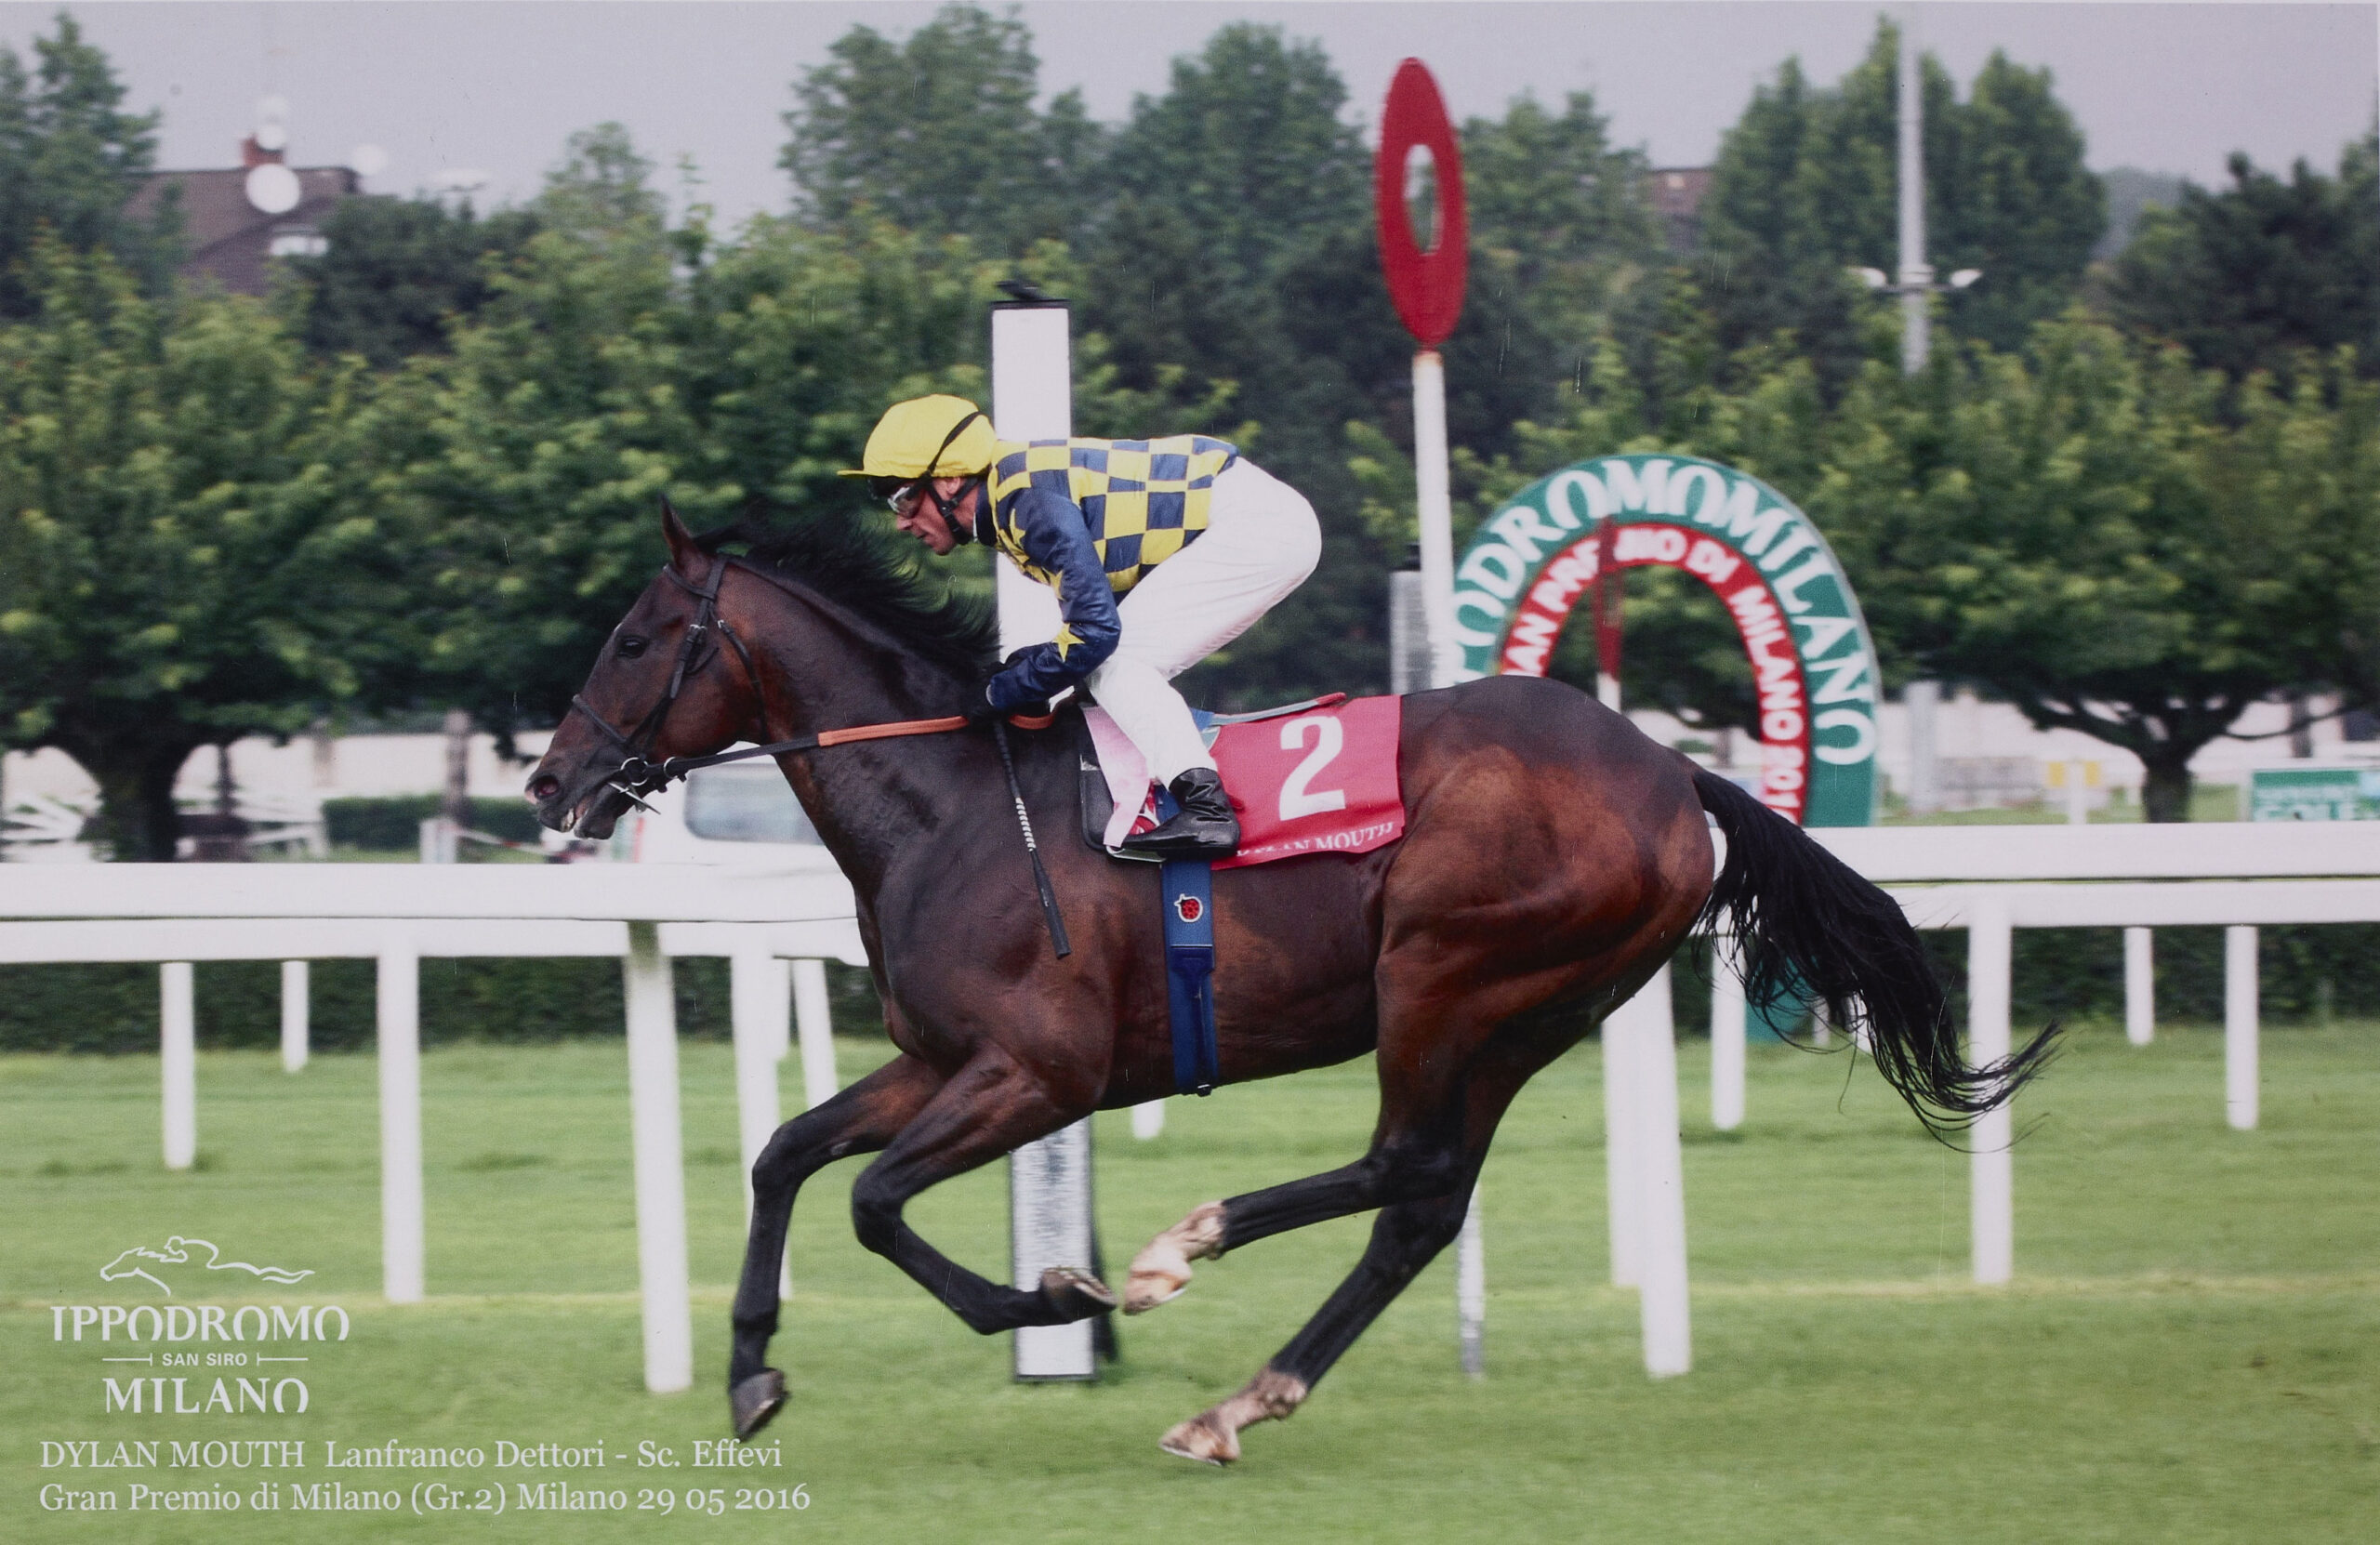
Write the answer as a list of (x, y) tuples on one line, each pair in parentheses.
[(1915, 283)]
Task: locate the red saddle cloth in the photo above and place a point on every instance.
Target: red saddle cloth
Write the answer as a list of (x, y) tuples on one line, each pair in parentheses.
[(1320, 782)]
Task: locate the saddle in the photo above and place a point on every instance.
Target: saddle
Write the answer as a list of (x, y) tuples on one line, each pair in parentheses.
[(1324, 782)]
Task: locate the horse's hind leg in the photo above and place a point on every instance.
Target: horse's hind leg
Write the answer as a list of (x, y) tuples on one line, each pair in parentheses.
[(1407, 1236), (989, 1108), (861, 1119)]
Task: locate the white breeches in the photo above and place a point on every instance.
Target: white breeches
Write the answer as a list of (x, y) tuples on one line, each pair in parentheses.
[(1260, 542)]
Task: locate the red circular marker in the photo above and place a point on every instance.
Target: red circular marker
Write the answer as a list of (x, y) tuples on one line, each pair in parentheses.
[(1427, 286)]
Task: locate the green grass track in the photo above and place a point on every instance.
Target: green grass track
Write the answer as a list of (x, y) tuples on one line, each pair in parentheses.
[(2191, 1350)]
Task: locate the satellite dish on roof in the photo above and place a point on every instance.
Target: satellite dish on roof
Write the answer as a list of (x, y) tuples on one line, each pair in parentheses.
[(273, 188), (367, 160)]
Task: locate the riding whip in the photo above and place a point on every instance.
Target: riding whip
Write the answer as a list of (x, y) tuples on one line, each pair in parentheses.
[(1032, 848)]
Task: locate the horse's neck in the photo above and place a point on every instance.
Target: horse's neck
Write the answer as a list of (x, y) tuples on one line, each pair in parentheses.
[(825, 668)]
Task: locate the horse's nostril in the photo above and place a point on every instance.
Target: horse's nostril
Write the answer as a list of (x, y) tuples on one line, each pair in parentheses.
[(544, 788)]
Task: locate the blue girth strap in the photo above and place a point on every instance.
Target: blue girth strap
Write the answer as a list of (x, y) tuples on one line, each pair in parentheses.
[(1186, 890)]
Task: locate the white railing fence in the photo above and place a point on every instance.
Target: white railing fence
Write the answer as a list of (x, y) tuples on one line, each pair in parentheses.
[(643, 914), (1989, 881)]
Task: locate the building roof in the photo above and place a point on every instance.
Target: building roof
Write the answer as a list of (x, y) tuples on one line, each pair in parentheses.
[(226, 238), (1676, 194)]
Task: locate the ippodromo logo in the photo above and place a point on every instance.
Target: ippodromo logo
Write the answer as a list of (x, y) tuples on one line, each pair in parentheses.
[(154, 1335)]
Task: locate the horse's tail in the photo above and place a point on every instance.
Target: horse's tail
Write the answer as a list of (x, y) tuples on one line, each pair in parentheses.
[(1811, 928)]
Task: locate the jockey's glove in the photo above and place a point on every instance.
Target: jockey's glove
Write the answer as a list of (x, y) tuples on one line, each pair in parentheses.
[(983, 713)]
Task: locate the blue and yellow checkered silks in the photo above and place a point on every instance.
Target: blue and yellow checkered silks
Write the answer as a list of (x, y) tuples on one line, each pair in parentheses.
[(1143, 500)]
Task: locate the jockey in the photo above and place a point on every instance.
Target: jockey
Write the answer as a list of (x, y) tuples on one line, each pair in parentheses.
[(1161, 552)]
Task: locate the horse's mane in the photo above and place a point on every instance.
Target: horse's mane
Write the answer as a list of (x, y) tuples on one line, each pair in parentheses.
[(855, 565)]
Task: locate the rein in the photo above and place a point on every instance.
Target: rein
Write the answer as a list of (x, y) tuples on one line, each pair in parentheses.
[(636, 776)]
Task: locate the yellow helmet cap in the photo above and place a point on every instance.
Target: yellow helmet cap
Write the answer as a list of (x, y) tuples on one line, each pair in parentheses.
[(910, 433)]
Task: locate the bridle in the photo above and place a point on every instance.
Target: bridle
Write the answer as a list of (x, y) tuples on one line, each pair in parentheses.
[(636, 776)]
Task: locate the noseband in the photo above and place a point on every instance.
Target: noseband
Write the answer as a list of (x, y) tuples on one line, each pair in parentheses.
[(636, 776)]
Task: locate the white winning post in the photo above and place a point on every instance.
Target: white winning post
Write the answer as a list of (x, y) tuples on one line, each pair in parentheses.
[(177, 1048), (1990, 1177), (400, 1040), (293, 996), (1049, 1181), (659, 1161), (2240, 1028), (1435, 509)]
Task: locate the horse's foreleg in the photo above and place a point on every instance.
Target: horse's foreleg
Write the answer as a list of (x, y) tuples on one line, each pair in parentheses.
[(861, 1119), (990, 1107)]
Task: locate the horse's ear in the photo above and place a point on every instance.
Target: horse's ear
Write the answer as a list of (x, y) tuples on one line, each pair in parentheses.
[(685, 555)]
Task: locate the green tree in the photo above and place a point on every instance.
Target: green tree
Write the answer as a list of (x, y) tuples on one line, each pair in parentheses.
[(2018, 204), (180, 555), (1805, 185), (396, 273), (69, 157), (2078, 530), (2243, 277), (940, 134), (1237, 253)]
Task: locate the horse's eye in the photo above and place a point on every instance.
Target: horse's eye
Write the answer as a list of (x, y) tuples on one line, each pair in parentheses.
[(631, 646)]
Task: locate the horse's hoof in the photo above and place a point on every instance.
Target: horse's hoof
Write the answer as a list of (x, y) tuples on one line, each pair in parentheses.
[(1078, 1292), (1159, 1275), (1161, 1270), (1202, 1440), (755, 1400)]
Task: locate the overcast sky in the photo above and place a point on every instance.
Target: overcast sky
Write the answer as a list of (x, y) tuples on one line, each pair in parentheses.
[(497, 87)]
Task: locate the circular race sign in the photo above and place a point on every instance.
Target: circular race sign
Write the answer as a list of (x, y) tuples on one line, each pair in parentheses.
[(1810, 653), (1426, 286)]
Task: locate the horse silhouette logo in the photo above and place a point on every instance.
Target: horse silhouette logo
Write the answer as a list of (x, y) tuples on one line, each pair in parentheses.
[(177, 1251)]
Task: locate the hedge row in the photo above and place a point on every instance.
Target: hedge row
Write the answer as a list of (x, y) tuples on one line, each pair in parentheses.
[(113, 1009), (2304, 974), (393, 825)]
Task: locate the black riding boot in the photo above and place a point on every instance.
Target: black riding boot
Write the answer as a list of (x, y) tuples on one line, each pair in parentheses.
[(1204, 827)]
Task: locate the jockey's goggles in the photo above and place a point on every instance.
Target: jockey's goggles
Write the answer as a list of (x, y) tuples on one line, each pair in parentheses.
[(895, 492)]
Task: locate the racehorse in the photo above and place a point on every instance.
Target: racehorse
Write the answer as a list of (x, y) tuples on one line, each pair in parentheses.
[(1553, 859)]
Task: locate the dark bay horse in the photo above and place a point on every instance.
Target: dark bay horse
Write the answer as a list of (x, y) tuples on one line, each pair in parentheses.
[(1553, 859)]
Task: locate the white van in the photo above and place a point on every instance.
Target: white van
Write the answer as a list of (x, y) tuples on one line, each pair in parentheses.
[(741, 813)]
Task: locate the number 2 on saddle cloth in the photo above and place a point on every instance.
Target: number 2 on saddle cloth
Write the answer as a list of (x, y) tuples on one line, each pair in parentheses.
[(1315, 778)]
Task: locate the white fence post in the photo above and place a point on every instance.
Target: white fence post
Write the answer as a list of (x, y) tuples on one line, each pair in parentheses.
[(1660, 1176), (295, 984), (1470, 1290), (177, 1053), (1148, 1120), (1992, 1177), (2139, 986), (1726, 1035), (817, 1025), (399, 1007), (2240, 1028), (759, 1003), (660, 1173)]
